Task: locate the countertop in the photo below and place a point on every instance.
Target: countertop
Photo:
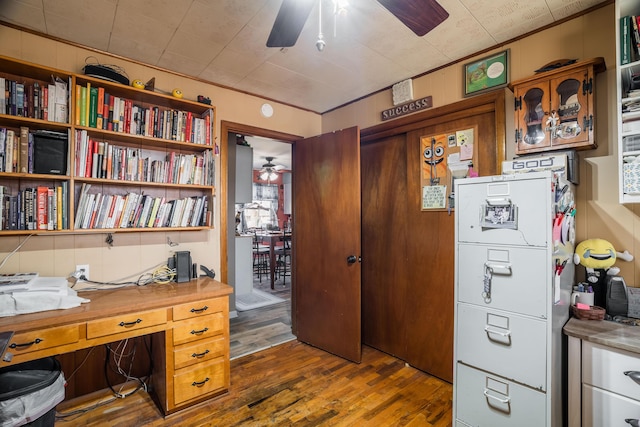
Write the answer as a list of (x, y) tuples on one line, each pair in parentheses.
[(605, 332)]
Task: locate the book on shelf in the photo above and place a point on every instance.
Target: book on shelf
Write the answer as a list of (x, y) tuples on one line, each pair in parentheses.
[(83, 106), (23, 156), (42, 208), (625, 40), (93, 107)]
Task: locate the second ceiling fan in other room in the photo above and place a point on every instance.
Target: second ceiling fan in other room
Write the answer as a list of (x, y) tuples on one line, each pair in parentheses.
[(269, 171), (420, 16)]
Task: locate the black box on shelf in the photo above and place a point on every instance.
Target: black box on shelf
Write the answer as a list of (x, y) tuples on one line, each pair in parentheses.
[(50, 152)]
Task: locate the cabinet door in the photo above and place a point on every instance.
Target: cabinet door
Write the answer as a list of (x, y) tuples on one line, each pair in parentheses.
[(532, 111), (571, 109)]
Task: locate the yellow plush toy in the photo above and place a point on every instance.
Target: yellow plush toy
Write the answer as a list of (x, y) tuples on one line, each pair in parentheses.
[(598, 254)]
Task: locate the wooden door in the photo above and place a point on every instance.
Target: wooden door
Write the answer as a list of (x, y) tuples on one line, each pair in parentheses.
[(326, 219)]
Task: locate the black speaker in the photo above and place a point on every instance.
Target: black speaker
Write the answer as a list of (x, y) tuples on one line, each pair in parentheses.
[(183, 266), (50, 152)]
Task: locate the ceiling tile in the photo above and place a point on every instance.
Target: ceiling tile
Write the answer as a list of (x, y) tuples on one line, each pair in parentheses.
[(224, 41)]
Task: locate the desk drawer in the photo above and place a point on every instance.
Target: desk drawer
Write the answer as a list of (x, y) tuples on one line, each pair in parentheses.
[(603, 408), (199, 328), (200, 308), (605, 368), (25, 342), (125, 323), (206, 378), (201, 351)]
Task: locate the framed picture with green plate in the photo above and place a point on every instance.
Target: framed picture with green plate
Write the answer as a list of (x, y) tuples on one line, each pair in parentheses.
[(488, 73)]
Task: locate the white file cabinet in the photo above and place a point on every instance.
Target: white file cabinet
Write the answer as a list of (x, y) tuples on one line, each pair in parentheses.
[(510, 299)]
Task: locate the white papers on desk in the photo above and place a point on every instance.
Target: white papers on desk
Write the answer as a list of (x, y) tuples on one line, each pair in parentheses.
[(39, 294)]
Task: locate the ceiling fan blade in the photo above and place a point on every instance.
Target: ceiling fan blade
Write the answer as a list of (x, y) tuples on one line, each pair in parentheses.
[(288, 24), (421, 16)]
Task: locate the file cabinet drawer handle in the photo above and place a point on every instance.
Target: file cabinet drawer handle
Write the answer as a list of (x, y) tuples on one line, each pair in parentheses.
[(27, 344), (491, 332), (127, 324), (506, 401), (200, 310), (634, 375), (199, 383), (201, 331), (199, 355)]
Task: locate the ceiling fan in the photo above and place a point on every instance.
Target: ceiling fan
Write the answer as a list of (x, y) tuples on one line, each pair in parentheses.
[(421, 16), (269, 171)]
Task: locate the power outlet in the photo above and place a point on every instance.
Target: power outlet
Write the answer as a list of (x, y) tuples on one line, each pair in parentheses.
[(82, 270)]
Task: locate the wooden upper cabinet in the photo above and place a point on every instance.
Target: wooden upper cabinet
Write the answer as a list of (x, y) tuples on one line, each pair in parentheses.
[(555, 110)]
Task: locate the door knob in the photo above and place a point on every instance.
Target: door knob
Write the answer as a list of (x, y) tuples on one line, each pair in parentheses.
[(351, 259)]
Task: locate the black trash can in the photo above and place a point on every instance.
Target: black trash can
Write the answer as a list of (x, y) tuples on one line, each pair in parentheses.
[(29, 393)]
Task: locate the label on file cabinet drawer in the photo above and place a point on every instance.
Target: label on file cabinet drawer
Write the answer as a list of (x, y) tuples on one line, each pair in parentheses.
[(484, 399), (511, 212), (518, 278), (508, 344)]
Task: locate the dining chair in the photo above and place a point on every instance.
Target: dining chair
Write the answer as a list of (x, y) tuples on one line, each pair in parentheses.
[(260, 257), (283, 257)]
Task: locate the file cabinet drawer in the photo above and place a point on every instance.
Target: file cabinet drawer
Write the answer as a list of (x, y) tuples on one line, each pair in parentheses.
[(508, 344), (199, 328), (519, 278), (26, 342), (605, 368), (204, 379), (201, 351), (200, 308), (125, 323), (488, 400), (483, 200)]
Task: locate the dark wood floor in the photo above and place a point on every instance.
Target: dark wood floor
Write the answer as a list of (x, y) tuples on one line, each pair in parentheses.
[(290, 384), (294, 384)]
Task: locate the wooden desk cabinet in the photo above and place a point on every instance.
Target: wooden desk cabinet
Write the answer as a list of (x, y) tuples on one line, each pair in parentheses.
[(188, 324), (556, 109), (604, 362)]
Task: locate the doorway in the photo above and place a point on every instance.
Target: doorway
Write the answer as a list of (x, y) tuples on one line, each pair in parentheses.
[(254, 328)]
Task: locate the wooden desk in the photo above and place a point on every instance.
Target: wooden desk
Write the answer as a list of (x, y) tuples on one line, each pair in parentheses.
[(188, 323)]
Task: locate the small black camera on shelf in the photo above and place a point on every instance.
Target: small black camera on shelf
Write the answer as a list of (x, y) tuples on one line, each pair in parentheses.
[(203, 99)]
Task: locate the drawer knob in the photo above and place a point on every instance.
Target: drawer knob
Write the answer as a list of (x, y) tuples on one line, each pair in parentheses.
[(127, 324), (201, 331), (199, 383), (634, 375), (27, 344), (199, 355), (199, 310)]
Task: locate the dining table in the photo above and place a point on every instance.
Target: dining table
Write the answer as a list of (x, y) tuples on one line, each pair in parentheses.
[(272, 238)]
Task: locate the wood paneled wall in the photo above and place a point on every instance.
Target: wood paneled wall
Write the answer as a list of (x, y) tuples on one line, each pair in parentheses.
[(408, 254)]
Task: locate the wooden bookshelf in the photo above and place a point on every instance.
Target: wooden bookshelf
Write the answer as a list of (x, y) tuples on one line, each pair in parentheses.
[(164, 152)]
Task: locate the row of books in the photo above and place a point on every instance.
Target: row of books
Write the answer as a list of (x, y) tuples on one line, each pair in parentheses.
[(21, 149), (133, 210), (629, 39), (96, 108), (16, 150), (35, 100), (35, 208), (101, 159)]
